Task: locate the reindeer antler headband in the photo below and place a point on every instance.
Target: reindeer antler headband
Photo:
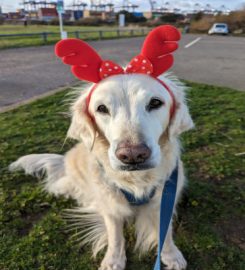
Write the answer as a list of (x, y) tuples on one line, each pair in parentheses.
[(155, 57)]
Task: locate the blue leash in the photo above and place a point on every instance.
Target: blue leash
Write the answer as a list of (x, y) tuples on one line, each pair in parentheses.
[(166, 211)]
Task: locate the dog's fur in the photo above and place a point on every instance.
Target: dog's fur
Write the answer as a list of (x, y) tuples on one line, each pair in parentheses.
[(92, 175)]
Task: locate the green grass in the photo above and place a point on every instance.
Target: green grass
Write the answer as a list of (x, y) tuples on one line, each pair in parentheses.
[(17, 29), (37, 40), (209, 228)]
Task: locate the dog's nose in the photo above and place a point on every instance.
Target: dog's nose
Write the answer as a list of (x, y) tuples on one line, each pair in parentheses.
[(132, 154)]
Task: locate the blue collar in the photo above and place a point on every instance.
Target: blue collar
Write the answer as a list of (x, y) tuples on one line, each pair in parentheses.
[(138, 201)]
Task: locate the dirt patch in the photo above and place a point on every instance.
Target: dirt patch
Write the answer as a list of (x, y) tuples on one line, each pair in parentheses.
[(233, 231), (31, 220)]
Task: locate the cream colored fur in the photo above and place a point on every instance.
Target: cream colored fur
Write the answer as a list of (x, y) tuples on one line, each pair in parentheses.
[(90, 172)]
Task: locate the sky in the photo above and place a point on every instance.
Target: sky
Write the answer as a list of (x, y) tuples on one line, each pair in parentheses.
[(12, 5)]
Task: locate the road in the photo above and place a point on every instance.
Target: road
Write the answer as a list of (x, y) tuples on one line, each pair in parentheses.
[(29, 72)]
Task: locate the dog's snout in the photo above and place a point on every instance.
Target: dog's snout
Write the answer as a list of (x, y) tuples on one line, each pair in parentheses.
[(132, 154)]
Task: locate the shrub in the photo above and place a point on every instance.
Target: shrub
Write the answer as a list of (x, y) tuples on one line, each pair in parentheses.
[(1, 20), (131, 18), (54, 21), (202, 26), (198, 16), (37, 22), (235, 21), (172, 18), (152, 23), (91, 21)]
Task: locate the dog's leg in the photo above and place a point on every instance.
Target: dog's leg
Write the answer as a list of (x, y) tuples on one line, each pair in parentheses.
[(171, 255), (115, 258)]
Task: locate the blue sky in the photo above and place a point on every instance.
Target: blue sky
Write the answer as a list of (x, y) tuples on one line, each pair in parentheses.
[(12, 5)]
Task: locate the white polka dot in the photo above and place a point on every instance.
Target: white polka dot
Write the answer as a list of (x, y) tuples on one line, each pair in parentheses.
[(143, 67), (100, 69), (148, 72), (107, 64), (110, 69), (144, 61), (136, 59), (129, 66), (115, 67)]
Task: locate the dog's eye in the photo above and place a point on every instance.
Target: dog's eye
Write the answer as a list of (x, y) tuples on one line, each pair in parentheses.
[(102, 109), (154, 104)]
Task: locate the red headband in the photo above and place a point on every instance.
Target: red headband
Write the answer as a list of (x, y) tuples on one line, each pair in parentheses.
[(155, 58)]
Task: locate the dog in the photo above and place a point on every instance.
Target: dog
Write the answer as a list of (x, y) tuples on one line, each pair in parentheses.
[(128, 128)]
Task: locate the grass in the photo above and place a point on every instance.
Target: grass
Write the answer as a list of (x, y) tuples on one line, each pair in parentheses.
[(38, 40), (17, 29), (209, 228)]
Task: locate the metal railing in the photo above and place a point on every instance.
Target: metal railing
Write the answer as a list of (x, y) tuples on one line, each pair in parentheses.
[(47, 37)]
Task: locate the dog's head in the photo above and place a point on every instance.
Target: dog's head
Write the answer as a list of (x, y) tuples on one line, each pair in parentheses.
[(132, 112), (131, 109)]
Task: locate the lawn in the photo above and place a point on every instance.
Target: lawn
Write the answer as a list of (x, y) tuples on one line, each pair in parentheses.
[(210, 225), (38, 40)]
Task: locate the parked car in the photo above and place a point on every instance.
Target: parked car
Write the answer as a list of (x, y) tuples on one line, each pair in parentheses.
[(219, 28)]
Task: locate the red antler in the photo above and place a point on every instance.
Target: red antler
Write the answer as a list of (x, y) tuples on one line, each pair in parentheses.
[(84, 59), (158, 46), (155, 57)]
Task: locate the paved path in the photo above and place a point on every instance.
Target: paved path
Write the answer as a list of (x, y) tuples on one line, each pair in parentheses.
[(28, 72)]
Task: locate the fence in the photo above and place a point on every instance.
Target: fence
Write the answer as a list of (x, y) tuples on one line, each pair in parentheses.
[(43, 38)]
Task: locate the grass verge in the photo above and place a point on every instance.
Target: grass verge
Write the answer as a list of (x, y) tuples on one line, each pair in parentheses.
[(209, 228), (17, 29)]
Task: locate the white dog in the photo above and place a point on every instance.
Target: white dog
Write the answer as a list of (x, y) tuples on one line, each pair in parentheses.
[(130, 143)]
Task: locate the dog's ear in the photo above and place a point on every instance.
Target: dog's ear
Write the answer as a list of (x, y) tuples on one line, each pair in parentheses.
[(82, 126), (181, 120)]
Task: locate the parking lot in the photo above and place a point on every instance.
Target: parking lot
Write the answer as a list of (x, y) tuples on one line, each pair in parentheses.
[(29, 72)]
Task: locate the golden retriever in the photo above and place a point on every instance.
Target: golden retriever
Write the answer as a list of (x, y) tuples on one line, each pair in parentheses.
[(130, 144)]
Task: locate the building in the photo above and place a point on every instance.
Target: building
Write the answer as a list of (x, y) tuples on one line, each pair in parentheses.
[(47, 14), (103, 15), (14, 16)]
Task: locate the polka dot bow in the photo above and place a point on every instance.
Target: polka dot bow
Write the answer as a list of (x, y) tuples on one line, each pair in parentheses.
[(154, 59), (139, 64)]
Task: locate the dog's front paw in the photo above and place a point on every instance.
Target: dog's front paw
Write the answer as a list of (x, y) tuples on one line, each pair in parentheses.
[(113, 263), (174, 260)]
